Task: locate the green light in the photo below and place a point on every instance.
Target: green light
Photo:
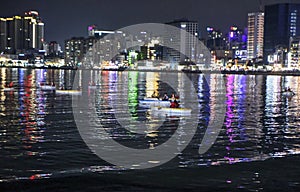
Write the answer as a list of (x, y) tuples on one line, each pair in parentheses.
[(133, 93), (132, 57)]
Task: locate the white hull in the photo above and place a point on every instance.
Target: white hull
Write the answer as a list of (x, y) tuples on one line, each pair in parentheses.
[(47, 87), (8, 89), (92, 87), (172, 111), (68, 92), (288, 94), (153, 102)]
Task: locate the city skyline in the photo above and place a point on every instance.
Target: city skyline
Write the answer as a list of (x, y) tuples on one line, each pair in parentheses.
[(249, 42), (64, 20)]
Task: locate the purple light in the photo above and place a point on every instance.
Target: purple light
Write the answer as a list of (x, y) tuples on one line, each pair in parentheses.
[(230, 159), (229, 114), (244, 38), (91, 28), (209, 29)]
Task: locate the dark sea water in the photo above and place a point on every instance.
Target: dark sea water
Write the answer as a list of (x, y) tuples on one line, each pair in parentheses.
[(257, 146)]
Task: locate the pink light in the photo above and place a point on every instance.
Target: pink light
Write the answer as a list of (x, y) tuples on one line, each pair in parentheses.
[(228, 181), (209, 29)]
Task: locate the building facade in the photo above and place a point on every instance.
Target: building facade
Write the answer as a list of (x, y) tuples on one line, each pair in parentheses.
[(215, 40), (255, 35), (237, 39), (101, 46), (294, 54), (54, 49), (20, 33), (282, 22), (3, 34), (185, 43), (74, 51)]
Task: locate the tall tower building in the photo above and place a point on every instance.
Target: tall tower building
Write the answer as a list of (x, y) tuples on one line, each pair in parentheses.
[(237, 39), (74, 51), (14, 35), (34, 30), (282, 22), (3, 34), (215, 40), (294, 55), (255, 35), (54, 49), (186, 43), (19, 33)]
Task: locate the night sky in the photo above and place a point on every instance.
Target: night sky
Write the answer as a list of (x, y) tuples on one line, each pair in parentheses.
[(68, 18)]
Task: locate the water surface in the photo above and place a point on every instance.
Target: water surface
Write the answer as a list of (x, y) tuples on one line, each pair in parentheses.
[(257, 147)]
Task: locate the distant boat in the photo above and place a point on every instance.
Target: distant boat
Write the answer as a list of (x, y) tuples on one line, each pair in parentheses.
[(113, 68), (172, 111), (148, 102), (288, 94), (68, 92), (8, 89), (47, 87)]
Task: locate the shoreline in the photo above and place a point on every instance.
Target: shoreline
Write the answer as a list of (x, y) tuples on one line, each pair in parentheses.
[(224, 72)]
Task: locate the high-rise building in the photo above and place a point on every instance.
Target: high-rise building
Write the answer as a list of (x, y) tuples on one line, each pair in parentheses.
[(54, 49), (13, 34), (282, 22), (34, 30), (185, 43), (99, 47), (294, 54), (215, 40), (74, 51), (236, 39), (216, 43), (237, 42), (255, 35), (19, 33), (3, 34)]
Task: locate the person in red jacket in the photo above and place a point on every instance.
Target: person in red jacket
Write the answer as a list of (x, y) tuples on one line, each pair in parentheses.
[(174, 104)]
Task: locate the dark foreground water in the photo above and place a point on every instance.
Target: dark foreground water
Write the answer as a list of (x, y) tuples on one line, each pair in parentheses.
[(257, 147)]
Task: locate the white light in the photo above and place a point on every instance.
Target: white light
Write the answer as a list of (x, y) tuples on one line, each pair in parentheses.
[(34, 36)]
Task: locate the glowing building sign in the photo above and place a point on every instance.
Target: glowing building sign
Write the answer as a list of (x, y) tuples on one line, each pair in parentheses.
[(241, 54)]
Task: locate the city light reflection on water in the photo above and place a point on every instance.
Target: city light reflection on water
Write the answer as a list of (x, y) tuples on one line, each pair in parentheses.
[(39, 139)]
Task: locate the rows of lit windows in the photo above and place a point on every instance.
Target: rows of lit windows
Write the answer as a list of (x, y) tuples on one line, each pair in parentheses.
[(293, 23)]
